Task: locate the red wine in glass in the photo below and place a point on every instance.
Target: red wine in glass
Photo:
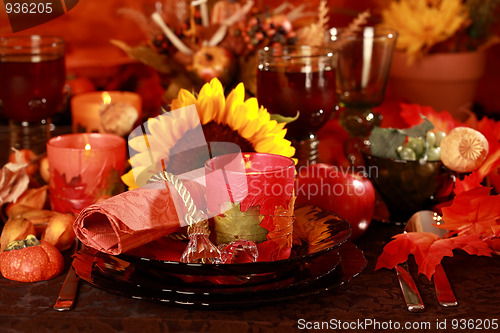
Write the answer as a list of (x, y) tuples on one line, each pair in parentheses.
[(31, 91), (311, 94), (301, 79), (32, 72)]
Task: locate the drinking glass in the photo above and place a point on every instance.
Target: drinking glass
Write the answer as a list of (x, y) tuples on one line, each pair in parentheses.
[(364, 62), (293, 79), (32, 72)]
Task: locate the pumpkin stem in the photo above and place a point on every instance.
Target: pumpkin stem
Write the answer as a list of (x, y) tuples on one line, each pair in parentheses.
[(30, 240)]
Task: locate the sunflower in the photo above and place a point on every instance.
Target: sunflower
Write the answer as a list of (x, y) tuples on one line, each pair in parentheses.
[(232, 119)]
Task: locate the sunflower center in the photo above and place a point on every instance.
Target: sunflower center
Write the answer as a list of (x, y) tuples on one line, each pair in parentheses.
[(196, 158)]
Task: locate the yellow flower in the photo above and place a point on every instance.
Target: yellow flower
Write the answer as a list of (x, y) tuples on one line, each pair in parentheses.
[(424, 23), (232, 119)]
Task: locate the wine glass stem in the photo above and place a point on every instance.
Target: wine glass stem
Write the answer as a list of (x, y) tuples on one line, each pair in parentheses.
[(306, 151), (30, 135), (358, 122)]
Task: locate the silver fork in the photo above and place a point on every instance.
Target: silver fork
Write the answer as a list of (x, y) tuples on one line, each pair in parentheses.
[(423, 222)]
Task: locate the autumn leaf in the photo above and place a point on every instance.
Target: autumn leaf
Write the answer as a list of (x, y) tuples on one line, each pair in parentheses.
[(428, 250), (471, 181), (13, 182), (442, 121), (398, 250), (472, 212)]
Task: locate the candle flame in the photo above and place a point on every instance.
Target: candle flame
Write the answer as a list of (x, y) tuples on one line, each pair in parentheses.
[(106, 98), (87, 146)]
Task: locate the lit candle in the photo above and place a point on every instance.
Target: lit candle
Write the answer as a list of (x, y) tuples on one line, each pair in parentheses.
[(84, 168), (105, 112), (251, 196)]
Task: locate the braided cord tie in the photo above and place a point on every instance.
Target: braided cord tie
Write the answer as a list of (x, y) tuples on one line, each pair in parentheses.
[(200, 248), (193, 215)]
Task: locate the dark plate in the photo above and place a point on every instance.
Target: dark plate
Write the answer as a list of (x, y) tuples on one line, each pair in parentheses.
[(326, 271), (315, 232)]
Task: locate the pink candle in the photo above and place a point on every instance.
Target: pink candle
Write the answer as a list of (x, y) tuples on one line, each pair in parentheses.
[(251, 197), (84, 168), (105, 111)]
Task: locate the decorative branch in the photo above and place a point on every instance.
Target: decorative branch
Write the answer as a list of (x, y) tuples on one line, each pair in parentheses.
[(172, 37), (237, 16)]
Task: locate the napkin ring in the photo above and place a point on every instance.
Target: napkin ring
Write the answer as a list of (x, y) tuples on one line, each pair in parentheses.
[(199, 249)]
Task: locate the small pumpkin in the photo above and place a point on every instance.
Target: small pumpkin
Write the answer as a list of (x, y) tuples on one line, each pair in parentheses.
[(31, 260)]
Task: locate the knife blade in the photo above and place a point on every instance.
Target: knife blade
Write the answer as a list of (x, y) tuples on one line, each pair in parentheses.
[(444, 293), (409, 289), (67, 295)]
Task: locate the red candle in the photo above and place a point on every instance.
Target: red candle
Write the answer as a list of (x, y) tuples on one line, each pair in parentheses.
[(251, 197), (84, 168)]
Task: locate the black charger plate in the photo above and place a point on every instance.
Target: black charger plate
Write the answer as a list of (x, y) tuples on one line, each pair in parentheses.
[(327, 271)]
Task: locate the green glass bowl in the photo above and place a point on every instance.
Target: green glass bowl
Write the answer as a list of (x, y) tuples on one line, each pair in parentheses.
[(407, 187)]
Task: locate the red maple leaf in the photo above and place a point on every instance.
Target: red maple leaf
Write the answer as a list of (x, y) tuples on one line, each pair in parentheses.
[(471, 181), (442, 121), (473, 212), (428, 250)]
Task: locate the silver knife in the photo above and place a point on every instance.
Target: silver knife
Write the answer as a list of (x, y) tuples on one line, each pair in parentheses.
[(444, 293), (411, 295), (67, 295)]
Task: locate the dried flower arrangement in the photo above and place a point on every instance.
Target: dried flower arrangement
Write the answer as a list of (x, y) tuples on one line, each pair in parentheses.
[(430, 26), (191, 42)]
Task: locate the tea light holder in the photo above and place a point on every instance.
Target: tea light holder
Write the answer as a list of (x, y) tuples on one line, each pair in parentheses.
[(84, 168), (251, 198), (113, 112)]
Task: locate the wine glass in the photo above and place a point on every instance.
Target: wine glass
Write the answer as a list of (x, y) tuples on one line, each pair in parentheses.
[(32, 72), (364, 62), (301, 79)]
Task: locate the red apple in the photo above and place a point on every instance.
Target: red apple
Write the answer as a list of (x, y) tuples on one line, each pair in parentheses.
[(344, 191)]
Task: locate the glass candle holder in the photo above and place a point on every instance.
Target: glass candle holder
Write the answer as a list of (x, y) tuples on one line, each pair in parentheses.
[(251, 198), (84, 168)]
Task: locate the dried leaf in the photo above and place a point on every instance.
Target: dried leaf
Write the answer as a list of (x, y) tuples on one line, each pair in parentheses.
[(147, 56), (314, 34), (13, 182), (33, 198), (15, 229)]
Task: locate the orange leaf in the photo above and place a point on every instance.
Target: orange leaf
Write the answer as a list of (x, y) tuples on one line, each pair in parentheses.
[(442, 121), (471, 244), (473, 212), (471, 181), (402, 245), (428, 250)]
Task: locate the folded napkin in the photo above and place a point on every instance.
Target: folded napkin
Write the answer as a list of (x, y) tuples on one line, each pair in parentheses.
[(134, 218)]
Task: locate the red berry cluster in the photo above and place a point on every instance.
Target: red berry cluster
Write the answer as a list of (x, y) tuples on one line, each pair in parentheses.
[(260, 32)]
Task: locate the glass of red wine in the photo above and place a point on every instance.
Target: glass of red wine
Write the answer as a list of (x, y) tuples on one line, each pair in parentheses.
[(32, 78), (364, 62), (298, 80)]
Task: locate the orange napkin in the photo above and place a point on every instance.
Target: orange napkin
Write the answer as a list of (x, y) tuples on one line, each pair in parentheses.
[(134, 218)]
